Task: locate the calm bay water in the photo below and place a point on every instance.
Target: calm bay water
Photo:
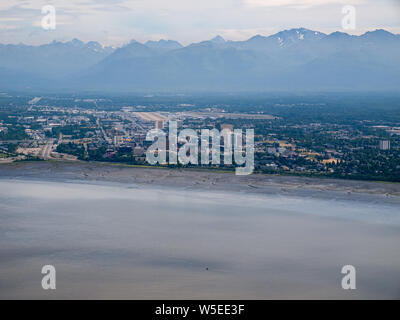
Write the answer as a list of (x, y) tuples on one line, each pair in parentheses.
[(129, 241)]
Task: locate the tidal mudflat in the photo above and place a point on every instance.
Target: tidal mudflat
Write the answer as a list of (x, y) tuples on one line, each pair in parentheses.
[(135, 237)]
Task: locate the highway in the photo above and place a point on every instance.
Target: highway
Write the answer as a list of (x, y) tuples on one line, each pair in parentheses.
[(47, 149)]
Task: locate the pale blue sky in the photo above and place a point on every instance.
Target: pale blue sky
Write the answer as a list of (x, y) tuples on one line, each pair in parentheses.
[(114, 22)]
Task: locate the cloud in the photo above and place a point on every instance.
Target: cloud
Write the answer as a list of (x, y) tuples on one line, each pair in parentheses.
[(9, 19), (297, 3)]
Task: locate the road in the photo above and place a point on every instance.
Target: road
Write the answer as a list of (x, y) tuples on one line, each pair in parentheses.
[(46, 152), (103, 132)]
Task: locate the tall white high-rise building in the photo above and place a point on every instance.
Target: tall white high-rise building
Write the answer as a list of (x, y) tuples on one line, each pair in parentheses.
[(384, 145)]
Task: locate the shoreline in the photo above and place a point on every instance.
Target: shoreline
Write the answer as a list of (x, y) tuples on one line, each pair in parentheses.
[(200, 179)]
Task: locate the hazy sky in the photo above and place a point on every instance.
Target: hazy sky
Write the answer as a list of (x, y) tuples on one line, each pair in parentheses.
[(114, 22)]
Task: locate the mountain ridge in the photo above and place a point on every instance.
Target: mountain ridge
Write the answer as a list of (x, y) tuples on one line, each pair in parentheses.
[(299, 59), (217, 38)]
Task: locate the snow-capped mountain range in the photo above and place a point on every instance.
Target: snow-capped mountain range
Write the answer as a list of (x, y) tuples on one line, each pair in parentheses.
[(296, 59)]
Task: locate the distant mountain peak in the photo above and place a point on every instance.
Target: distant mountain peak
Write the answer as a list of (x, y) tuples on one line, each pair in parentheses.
[(258, 37), (94, 44), (76, 42), (378, 34), (214, 42), (380, 31), (218, 39), (163, 41), (163, 45), (339, 35), (299, 31), (291, 36)]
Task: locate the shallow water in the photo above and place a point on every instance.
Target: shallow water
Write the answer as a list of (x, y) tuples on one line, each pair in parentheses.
[(129, 241)]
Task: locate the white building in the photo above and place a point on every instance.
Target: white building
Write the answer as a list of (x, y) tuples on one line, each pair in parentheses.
[(384, 145)]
